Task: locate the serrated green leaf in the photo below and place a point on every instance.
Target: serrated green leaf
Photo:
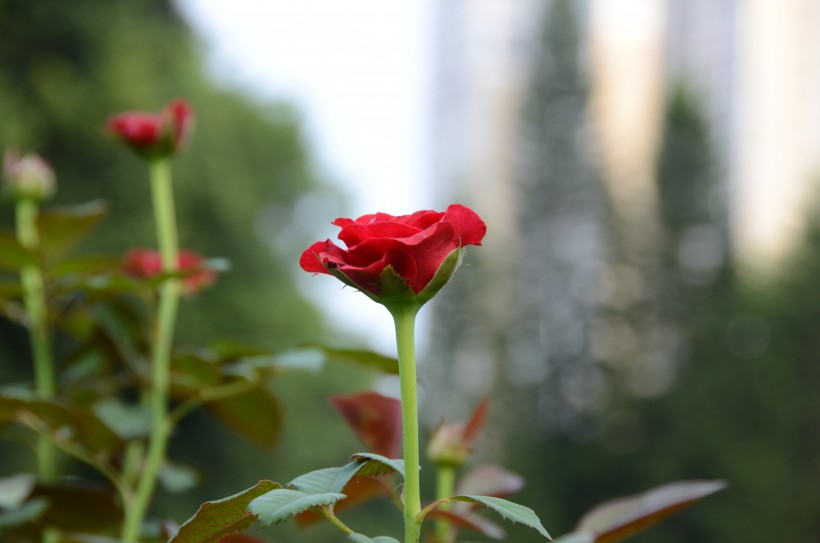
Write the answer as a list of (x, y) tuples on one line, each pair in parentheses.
[(621, 518), (359, 538), (508, 510), (217, 519), (24, 514), (281, 504), (376, 464), (320, 481)]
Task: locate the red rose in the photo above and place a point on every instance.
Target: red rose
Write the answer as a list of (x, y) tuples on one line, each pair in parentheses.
[(148, 263), (154, 134), (391, 257)]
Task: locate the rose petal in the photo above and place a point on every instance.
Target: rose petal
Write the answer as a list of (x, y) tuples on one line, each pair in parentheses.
[(468, 225)]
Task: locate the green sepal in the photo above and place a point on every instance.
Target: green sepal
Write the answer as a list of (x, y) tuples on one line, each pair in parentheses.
[(443, 275)]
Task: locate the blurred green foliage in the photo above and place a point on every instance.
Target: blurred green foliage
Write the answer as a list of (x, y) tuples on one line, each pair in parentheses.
[(65, 67)]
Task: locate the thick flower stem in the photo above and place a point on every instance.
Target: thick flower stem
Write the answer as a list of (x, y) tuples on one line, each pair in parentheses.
[(445, 488), (34, 299), (163, 199), (404, 317)]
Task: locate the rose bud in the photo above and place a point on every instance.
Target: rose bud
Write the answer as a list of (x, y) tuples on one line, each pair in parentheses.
[(154, 135), (452, 443), (28, 176), (398, 259), (148, 263)]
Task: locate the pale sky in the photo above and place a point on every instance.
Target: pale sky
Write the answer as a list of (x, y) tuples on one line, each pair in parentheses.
[(359, 72)]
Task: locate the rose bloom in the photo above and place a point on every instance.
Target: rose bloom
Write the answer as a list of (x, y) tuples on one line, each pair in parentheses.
[(148, 263), (413, 246), (154, 134)]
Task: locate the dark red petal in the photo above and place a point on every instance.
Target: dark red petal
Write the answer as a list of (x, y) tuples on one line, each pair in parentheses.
[(137, 129), (468, 225)]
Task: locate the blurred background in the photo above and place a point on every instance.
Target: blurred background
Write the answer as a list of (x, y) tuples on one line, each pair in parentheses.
[(646, 305)]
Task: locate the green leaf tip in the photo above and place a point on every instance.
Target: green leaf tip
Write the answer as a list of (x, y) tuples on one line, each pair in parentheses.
[(508, 510)]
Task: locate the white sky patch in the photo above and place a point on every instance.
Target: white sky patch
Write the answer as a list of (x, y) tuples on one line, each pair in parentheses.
[(359, 71)]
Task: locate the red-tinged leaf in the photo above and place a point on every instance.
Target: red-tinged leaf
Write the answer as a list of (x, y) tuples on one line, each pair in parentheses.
[(623, 517), (242, 538), (73, 508), (470, 521), (476, 422), (490, 480), (63, 228), (376, 419), (358, 491), (255, 415), (221, 518)]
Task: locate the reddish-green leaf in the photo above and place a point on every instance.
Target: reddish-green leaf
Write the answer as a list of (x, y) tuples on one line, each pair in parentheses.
[(255, 415), (63, 228), (218, 519), (376, 419), (470, 520), (621, 518)]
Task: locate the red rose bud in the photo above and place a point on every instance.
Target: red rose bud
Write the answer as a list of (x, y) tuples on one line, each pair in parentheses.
[(154, 135), (148, 263), (28, 176), (398, 259)]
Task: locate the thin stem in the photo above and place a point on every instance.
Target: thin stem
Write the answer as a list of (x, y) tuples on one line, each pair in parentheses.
[(163, 200), (404, 317), (445, 488), (34, 298), (334, 520)]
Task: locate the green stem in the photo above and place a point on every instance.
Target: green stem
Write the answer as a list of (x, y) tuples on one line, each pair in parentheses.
[(445, 488), (404, 317), (34, 299), (334, 520), (163, 200)]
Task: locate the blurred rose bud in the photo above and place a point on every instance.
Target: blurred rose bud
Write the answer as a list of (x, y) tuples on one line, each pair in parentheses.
[(154, 135), (451, 444), (28, 176), (148, 263)]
